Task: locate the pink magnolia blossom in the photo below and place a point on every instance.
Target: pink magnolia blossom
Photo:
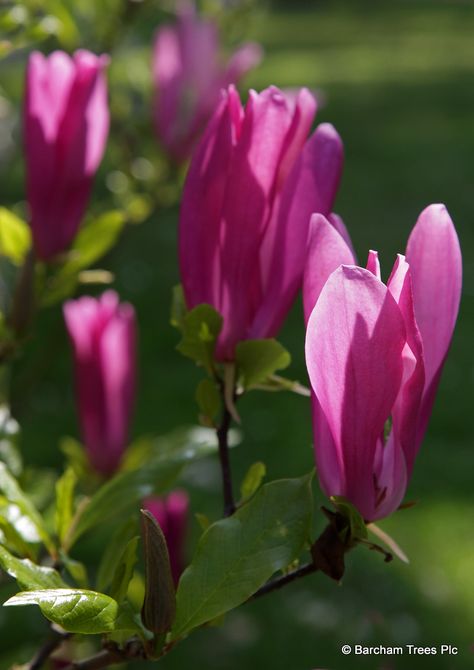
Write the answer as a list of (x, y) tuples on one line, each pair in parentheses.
[(103, 337), (375, 353), (171, 512), (188, 76), (253, 182), (66, 123)]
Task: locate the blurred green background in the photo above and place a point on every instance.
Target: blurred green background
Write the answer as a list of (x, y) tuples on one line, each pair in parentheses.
[(397, 78)]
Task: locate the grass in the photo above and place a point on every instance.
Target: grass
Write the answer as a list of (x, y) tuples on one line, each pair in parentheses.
[(397, 78)]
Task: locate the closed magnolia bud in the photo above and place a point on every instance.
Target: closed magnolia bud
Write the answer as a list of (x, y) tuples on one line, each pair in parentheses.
[(253, 183), (188, 75), (66, 123), (103, 337), (171, 512)]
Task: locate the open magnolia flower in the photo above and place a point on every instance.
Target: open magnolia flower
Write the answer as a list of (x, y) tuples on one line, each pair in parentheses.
[(374, 354)]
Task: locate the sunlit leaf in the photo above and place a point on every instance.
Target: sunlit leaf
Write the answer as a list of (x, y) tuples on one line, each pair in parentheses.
[(79, 610), (237, 555)]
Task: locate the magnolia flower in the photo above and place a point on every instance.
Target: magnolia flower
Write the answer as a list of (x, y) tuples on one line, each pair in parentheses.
[(66, 123), (375, 354), (253, 182), (171, 512), (103, 337), (188, 75)]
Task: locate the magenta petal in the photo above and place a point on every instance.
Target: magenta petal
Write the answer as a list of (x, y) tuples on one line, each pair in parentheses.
[(434, 256), (202, 205), (391, 479), (407, 406), (373, 263), (310, 187), (341, 228), (354, 340), (103, 339), (247, 209), (247, 57), (326, 252), (66, 121)]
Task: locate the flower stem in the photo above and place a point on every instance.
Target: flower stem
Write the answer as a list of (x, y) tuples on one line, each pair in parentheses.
[(223, 441)]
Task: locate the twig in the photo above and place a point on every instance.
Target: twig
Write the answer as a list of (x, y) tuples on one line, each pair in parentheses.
[(50, 646), (279, 582)]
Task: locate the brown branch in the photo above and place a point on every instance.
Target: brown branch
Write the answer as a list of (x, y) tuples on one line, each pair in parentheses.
[(279, 582), (49, 647)]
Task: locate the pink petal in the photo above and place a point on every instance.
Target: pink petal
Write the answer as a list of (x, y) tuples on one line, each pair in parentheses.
[(310, 187), (247, 208), (203, 202), (373, 263), (326, 252), (434, 256), (354, 340), (406, 409), (247, 57)]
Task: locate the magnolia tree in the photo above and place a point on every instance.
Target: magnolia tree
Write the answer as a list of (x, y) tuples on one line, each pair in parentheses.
[(256, 226)]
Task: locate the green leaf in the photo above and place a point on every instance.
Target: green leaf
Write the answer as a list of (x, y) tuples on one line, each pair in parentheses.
[(125, 491), (9, 437), (203, 520), (259, 359), (13, 493), (124, 570), (15, 237), (76, 456), (79, 610), (28, 575), (356, 524), (92, 242), (178, 307), (159, 606), (253, 479), (113, 553), (208, 398), (201, 327), (76, 569), (64, 503), (17, 530), (138, 454), (237, 555)]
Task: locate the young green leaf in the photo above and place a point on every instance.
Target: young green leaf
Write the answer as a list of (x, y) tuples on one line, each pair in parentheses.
[(201, 326), (15, 237), (178, 307), (13, 493), (19, 532), (123, 493), (203, 521), (124, 570), (92, 242), (76, 569), (259, 359), (113, 553), (29, 575), (237, 555), (159, 606), (357, 528), (252, 480), (79, 610), (64, 503), (76, 456)]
